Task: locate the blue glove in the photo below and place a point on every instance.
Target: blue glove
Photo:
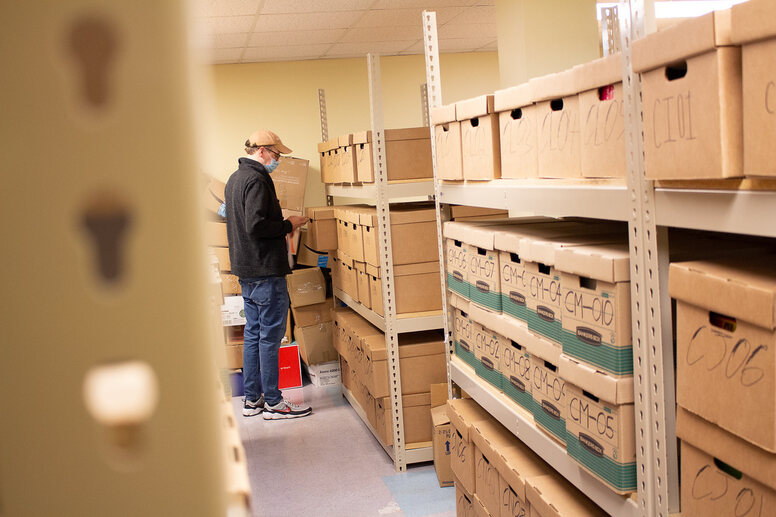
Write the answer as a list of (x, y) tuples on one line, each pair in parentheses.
[(222, 210)]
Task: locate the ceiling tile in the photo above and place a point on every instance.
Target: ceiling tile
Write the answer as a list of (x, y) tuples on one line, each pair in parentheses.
[(306, 21), (260, 39), (492, 46), (226, 7), (226, 55), (363, 34), (314, 6), (406, 17), (478, 15), (428, 5), (227, 24), (451, 31), (463, 45), (362, 49), (236, 40), (284, 52)]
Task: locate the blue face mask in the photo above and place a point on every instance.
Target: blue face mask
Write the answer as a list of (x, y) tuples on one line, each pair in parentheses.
[(272, 166)]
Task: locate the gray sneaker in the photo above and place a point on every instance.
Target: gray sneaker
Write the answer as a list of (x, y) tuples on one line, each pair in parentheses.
[(253, 408), (285, 409)]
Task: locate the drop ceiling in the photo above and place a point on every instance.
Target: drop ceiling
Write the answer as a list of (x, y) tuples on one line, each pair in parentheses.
[(250, 31)]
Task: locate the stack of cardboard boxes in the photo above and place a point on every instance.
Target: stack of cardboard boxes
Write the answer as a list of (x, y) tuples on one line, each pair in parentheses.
[(541, 312), (496, 474), (356, 268), (364, 364)]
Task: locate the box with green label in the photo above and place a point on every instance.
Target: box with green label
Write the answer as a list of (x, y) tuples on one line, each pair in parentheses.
[(596, 302), (550, 405), (600, 424), (463, 331), (487, 347)]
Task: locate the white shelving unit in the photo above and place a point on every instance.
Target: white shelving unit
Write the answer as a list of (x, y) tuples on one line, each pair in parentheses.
[(381, 193)]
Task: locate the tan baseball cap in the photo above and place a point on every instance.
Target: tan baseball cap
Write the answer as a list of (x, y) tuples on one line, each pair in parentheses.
[(265, 138)]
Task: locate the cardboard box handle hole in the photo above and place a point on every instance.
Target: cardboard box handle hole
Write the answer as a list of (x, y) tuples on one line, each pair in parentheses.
[(676, 71)]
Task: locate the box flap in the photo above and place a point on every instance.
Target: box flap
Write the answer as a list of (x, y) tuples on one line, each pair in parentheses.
[(515, 97), (543, 348), (743, 288), (373, 270), (599, 72), (752, 21), (606, 262), (319, 213), (610, 389), (691, 37), (408, 133), (519, 463), (362, 137), (473, 108), (553, 496), (443, 114), (463, 413), (345, 140), (344, 258), (554, 86), (328, 145), (439, 416), (737, 452)]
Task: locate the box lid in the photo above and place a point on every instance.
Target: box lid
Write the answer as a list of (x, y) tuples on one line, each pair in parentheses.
[(344, 258), (554, 86), (519, 463), (491, 438), (463, 413), (439, 416), (553, 496), (599, 72), (753, 461), (743, 288), (606, 262), (328, 145), (391, 135), (473, 108), (360, 266), (610, 389), (501, 324), (684, 40), (545, 250), (416, 344), (419, 268), (443, 114), (401, 214), (320, 213), (515, 97), (752, 21), (542, 348), (345, 140), (416, 399), (459, 302)]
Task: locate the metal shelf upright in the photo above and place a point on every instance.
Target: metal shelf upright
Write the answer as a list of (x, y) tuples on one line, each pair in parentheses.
[(381, 193)]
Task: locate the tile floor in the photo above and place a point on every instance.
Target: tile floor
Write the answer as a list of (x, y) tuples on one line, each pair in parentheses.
[(330, 465)]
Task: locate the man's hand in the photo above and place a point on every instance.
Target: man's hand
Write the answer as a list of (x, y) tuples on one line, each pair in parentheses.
[(297, 221)]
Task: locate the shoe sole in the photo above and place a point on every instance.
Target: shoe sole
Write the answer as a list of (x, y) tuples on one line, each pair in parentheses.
[(252, 412), (269, 415)]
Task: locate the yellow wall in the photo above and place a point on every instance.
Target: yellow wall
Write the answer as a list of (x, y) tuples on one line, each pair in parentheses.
[(283, 97)]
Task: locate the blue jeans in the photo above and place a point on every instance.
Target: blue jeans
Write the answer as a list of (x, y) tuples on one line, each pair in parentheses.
[(266, 312)]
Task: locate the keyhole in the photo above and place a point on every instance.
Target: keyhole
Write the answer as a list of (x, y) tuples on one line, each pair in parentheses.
[(93, 42), (107, 219)]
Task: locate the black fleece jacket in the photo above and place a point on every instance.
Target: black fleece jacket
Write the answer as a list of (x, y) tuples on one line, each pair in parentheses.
[(254, 223)]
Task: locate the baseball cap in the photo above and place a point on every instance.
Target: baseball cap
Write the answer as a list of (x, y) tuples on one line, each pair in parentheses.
[(265, 138)]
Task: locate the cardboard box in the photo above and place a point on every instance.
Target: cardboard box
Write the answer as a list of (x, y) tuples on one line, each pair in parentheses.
[(362, 285), (214, 194), (290, 367), (421, 360), (407, 154), (345, 276), (306, 287), (490, 440), (602, 117), (287, 338), (234, 357), (600, 432), (721, 473), (463, 501), (416, 410), (515, 466), (325, 374), (479, 138), (596, 306), (488, 347), (518, 129), (464, 331), (349, 234), (347, 379), (438, 394), (316, 345), (479, 508), (326, 153), (442, 442), (456, 264), (290, 179), (463, 414), (215, 234), (230, 284), (322, 228), (692, 96), (553, 496), (550, 408), (232, 311), (726, 344), (416, 288), (753, 27), (222, 255), (447, 136), (347, 159), (310, 257), (413, 234), (313, 314), (557, 115), (471, 212)]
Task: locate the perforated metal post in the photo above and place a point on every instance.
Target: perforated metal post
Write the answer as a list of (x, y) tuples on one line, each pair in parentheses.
[(386, 258), (424, 103), (434, 99), (610, 30), (322, 112), (653, 370)]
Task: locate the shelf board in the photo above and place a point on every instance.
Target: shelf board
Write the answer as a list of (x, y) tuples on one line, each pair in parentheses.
[(597, 199), (415, 322), (413, 453), (413, 190), (748, 212), (506, 412)]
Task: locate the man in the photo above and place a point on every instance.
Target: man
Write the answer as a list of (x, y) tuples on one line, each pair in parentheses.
[(259, 256)]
